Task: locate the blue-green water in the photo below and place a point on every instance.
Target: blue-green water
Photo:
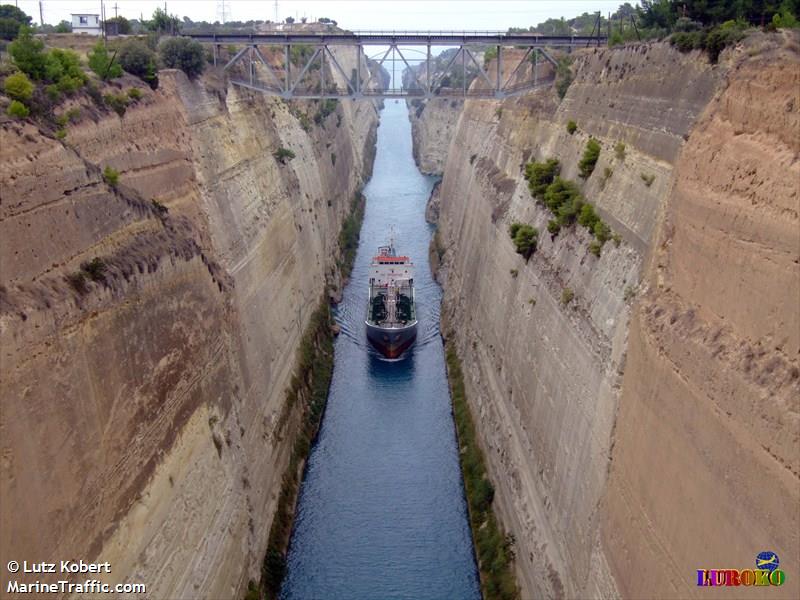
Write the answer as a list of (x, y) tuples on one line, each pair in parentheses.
[(381, 513)]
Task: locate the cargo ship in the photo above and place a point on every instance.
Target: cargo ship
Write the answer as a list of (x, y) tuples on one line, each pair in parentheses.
[(391, 312)]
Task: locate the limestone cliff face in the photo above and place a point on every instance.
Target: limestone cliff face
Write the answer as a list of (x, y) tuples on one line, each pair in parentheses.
[(143, 419), (432, 126), (621, 467)]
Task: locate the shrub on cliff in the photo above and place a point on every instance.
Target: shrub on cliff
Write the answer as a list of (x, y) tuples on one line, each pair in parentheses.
[(17, 110), (563, 76), (721, 37), (28, 53), (572, 127), (137, 59), (283, 155), (111, 176), (118, 102), (562, 192), (590, 155), (63, 63), (524, 237), (184, 54), (18, 87), (540, 175), (105, 66)]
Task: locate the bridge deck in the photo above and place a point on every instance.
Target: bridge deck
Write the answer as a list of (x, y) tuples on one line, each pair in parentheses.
[(421, 38)]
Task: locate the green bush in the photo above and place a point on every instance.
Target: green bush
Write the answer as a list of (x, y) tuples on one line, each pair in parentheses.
[(540, 175), (721, 37), (572, 127), (564, 199), (95, 269), (137, 59), (553, 227), (619, 151), (53, 93), (524, 237), (111, 176), (588, 217), (17, 110), (283, 155), (326, 108), (601, 231), (567, 296), (563, 76), (184, 54), (590, 155), (648, 179), (63, 63), (118, 102), (686, 41), (28, 53), (105, 66), (61, 134), (18, 87), (9, 28), (595, 247), (784, 18), (134, 93), (69, 84)]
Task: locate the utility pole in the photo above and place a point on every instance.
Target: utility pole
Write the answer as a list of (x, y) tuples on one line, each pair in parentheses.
[(115, 11), (41, 14)]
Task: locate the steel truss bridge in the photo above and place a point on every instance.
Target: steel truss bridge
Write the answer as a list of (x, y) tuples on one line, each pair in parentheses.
[(291, 56)]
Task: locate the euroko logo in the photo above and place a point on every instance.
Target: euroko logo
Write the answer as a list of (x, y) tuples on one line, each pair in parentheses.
[(766, 573)]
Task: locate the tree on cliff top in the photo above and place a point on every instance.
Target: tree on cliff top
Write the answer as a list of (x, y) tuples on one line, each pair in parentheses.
[(184, 54), (11, 19)]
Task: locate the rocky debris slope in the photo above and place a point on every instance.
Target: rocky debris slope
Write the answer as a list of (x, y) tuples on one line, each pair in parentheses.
[(149, 327), (560, 397)]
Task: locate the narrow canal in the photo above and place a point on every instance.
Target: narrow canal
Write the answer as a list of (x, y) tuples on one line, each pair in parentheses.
[(381, 513)]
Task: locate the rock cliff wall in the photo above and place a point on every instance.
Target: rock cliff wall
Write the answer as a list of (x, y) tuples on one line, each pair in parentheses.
[(637, 408), (432, 126), (143, 412)]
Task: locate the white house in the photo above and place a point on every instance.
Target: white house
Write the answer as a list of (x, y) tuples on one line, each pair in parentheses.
[(86, 23)]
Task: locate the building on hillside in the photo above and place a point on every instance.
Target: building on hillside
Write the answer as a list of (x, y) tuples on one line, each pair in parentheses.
[(86, 23)]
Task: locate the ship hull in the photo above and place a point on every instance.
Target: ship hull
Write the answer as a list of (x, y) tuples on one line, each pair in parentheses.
[(391, 341)]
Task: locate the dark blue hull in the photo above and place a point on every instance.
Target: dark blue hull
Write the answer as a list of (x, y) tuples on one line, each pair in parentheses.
[(392, 341)]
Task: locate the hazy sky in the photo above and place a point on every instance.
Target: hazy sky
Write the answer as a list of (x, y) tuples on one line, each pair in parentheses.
[(353, 14)]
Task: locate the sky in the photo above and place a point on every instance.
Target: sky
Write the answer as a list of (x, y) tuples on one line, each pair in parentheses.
[(352, 14)]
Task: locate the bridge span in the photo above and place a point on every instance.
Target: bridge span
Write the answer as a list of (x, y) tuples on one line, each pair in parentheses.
[(283, 63)]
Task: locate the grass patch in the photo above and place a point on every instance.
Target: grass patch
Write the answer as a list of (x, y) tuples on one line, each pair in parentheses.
[(493, 549)]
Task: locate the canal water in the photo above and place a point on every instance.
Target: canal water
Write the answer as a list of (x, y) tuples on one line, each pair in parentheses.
[(381, 512)]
